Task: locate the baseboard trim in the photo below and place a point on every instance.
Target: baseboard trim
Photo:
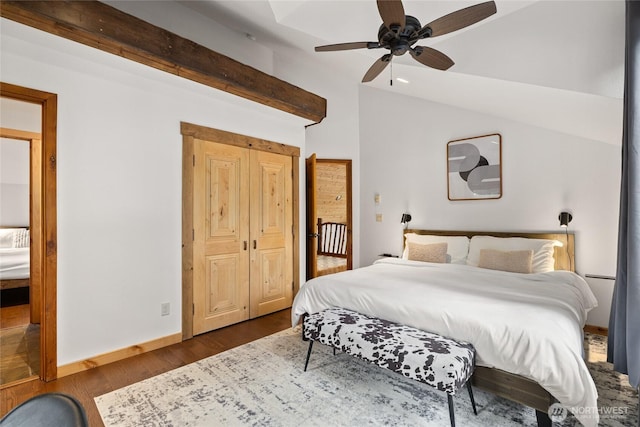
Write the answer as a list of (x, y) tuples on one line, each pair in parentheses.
[(114, 356), (20, 381), (598, 330)]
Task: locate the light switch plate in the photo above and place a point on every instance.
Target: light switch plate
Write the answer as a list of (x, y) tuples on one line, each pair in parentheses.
[(165, 309)]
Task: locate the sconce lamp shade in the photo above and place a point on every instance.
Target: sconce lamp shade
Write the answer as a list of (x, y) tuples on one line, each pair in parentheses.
[(405, 218), (565, 218)]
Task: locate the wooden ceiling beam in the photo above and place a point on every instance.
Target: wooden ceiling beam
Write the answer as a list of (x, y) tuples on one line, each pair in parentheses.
[(106, 28)]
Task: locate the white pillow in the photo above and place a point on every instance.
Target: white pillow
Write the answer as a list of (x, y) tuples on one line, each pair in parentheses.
[(6, 237), (21, 238), (457, 246), (542, 250)]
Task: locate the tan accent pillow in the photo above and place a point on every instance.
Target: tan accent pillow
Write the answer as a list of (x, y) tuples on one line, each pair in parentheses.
[(435, 252), (513, 261)]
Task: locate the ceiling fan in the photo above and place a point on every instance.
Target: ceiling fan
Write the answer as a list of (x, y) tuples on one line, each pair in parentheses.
[(399, 32)]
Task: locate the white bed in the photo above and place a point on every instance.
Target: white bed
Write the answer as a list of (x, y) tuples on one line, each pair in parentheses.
[(14, 258), (529, 325), (14, 263)]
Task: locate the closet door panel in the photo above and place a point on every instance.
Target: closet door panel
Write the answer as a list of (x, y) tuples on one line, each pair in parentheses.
[(271, 233), (221, 233)]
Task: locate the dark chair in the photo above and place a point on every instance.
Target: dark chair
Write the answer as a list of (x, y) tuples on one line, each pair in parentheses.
[(47, 410)]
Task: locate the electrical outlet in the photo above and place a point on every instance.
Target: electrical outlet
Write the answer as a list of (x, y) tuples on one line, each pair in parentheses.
[(165, 309), (378, 217)]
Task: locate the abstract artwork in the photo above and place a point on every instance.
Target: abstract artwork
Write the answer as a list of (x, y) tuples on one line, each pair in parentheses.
[(474, 168)]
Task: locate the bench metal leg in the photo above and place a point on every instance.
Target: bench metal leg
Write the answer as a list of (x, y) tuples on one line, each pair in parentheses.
[(473, 401), (451, 416), (304, 338), (543, 419), (308, 355)]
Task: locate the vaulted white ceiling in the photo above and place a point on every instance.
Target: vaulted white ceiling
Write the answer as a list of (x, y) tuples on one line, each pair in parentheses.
[(553, 64)]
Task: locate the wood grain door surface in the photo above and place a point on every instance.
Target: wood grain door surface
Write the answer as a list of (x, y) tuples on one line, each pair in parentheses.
[(221, 235), (271, 233), (242, 245)]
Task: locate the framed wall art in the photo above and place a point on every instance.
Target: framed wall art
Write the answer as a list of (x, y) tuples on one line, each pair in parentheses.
[(474, 168)]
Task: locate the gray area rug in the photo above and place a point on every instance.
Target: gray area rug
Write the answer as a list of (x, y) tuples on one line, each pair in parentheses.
[(263, 384)]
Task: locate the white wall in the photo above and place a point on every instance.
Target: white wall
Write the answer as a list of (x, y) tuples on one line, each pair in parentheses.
[(403, 158), (20, 115), (14, 182), (119, 182), (14, 161)]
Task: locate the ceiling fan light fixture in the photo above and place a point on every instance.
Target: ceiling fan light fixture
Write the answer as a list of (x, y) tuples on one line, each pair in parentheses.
[(399, 32)]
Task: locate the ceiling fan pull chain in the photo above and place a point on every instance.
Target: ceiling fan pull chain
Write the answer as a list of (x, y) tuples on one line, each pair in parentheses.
[(390, 73)]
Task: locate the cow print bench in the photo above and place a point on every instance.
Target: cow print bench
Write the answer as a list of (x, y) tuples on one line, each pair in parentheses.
[(426, 357)]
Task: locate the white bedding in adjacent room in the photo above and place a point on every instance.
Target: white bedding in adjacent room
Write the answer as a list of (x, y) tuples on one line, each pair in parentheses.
[(526, 324), (14, 263)]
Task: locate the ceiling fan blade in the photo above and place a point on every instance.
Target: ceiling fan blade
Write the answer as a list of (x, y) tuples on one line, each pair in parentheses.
[(392, 13), (431, 58), (377, 68), (347, 46), (460, 19)]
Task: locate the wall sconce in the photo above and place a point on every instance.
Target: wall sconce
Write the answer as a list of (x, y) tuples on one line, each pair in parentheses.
[(565, 218), (406, 218)]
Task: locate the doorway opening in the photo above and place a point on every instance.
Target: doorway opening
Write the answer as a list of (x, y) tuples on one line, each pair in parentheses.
[(40, 236), (20, 295), (329, 218)]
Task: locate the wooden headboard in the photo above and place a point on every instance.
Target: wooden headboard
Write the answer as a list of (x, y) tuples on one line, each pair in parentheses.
[(563, 255)]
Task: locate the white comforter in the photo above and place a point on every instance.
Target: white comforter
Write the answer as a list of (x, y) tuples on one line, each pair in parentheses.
[(14, 263), (526, 324)]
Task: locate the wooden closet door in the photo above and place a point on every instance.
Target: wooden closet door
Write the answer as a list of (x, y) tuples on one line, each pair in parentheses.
[(271, 233), (221, 234)]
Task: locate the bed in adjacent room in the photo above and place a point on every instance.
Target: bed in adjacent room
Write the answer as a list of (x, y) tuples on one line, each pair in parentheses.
[(514, 297), (14, 258)]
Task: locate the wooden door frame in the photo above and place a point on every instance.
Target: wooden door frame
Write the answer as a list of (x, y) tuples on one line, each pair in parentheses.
[(191, 132), (46, 244), (311, 218)]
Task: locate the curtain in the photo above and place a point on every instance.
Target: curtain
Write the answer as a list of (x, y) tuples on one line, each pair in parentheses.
[(624, 323)]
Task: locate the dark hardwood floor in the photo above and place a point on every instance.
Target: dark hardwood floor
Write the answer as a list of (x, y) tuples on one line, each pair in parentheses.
[(97, 381), (19, 341), (15, 315)]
